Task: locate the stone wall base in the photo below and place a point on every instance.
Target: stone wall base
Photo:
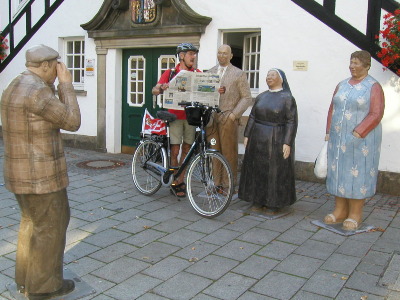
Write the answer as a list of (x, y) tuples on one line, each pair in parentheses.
[(388, 182), (74, 141), (79, 141)]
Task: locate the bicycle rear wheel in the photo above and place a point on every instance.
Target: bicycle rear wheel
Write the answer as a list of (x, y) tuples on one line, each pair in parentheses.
[(209, 184), (147, 179)]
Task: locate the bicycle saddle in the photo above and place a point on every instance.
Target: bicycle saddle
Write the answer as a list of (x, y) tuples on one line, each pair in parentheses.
[(166, 116)]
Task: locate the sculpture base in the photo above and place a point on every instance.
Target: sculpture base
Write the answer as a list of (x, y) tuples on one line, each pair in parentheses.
[(247, 209), (82, 289), (338, 228)]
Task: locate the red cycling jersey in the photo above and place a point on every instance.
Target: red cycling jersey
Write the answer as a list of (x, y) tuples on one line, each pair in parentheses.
[(165, 78)]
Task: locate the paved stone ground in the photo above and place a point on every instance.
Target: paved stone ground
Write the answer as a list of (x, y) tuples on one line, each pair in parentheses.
[(128, 246)]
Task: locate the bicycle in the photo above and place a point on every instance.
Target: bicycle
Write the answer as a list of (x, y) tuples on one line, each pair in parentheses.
[(209, 178)]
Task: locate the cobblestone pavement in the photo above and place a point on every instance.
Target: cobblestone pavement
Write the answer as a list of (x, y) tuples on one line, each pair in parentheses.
[(128, 246)]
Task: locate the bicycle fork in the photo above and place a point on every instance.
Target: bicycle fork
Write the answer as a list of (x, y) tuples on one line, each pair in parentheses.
[(205, 167)]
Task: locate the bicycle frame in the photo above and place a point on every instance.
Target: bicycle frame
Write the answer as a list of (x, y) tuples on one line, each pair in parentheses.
[(200, 140), (166, 173)]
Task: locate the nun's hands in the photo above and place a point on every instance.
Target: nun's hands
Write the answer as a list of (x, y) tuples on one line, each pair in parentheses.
[(286, 151)]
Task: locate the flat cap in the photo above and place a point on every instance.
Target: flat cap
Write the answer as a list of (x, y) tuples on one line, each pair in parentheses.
[(40, 53)]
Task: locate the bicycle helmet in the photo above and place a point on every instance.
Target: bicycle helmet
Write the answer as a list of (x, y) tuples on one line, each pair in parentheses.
[(185, 47)]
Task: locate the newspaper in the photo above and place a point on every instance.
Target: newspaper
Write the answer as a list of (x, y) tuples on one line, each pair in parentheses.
[(192, 87)]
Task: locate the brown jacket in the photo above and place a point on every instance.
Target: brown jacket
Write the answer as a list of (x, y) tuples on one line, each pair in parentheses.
[(32, 116), (237, 96)]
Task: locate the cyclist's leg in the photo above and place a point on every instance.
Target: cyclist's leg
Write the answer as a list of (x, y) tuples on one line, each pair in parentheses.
[(174, 155), (176, 185), (176, 133), (189, 132)]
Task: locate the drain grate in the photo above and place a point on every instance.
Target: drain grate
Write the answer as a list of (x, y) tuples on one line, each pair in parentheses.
[(100, 164)]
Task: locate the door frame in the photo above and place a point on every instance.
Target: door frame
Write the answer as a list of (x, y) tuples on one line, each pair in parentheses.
[(146, 78)]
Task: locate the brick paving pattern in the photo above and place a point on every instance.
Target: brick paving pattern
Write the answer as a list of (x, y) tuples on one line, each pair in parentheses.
[(129, 246)]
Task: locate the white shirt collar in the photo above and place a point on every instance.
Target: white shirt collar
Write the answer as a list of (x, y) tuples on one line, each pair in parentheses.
[(277, 90)]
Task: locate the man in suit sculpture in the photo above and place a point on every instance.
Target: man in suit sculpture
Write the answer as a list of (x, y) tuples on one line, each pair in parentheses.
[(35, 169), (235, 98)]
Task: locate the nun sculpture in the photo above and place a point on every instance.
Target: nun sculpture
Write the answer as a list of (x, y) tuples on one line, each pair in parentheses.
[(267, 177)]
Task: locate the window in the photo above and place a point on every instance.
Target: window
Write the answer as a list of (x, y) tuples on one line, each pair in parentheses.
[(74, 53), (136, 76), (165, 62), (251, 61), (246, 48)]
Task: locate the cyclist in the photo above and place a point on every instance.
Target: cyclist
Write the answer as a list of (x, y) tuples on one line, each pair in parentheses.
[(180, 131)]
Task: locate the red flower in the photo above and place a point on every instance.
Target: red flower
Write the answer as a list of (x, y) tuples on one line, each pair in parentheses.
[(3, 47), (390, 41), (385, 61)]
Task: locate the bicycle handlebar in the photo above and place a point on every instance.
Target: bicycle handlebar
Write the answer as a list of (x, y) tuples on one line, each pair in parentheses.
[(198, 104)]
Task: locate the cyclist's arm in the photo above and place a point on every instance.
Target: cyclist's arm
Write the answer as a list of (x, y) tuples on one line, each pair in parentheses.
[(159, 88), (162, 83)]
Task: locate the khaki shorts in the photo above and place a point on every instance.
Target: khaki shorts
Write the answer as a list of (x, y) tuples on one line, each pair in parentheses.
[(180, 129)]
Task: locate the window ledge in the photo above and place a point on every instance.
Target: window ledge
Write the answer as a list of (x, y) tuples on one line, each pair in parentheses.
[(81, 93), (78, 93), (254, 93)]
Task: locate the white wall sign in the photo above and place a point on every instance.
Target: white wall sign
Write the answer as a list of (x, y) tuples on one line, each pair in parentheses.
[(300, 65), (89, 69)]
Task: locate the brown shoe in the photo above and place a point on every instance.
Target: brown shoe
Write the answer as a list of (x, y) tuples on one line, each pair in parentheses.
[(67, 287)]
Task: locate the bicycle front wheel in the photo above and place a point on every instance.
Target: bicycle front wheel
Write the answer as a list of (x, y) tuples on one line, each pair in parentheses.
[(147, 179), (209, 184)]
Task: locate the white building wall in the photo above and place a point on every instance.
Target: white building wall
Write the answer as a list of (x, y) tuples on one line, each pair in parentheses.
[(64, 22), (288, 34)]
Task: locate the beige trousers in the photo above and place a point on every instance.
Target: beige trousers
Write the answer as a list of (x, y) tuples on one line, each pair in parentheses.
[(226, 136), (41, 241)]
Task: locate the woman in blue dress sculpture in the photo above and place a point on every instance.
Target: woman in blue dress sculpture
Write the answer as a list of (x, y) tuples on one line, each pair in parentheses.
[(354, 133)]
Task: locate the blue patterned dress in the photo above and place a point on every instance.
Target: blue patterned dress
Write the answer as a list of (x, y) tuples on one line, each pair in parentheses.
[(352, 162)]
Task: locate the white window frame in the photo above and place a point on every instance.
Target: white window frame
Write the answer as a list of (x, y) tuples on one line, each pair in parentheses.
[(161, 70), (81, 84), (143, 81), (251, 55)]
